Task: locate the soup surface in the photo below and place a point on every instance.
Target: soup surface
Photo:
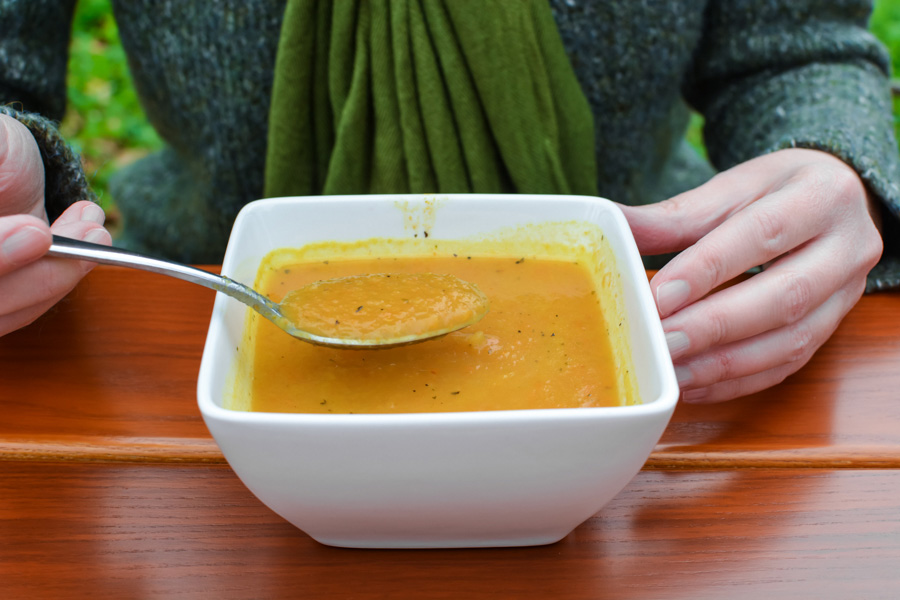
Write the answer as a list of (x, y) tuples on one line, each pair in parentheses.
[(544, 344), (385, 306)]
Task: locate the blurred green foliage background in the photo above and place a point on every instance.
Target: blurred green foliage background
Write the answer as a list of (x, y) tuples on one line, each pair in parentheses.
[(106, 123), (104, 119)]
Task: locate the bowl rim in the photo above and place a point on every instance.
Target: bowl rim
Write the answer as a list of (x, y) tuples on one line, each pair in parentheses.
[(665, 402)]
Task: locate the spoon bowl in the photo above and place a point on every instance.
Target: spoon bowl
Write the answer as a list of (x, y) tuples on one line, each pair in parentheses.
[(63, 247)]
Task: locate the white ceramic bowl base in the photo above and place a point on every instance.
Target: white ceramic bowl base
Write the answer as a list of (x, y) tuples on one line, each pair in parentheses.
[(493, 478)]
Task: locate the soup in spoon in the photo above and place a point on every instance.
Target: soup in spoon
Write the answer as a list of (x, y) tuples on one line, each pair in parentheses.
[(394, 307)]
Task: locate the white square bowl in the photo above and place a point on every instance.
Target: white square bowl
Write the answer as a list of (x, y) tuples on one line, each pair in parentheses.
[(436, 480)]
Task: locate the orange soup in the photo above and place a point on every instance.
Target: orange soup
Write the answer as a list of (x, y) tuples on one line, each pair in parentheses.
[(543, 344), (384, 307)]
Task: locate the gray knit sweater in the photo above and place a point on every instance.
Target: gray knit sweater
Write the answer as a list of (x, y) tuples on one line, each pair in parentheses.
[(766, 74)]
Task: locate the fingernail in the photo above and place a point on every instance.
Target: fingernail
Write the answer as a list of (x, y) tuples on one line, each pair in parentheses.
[(683, 375), (671, 295), (93, 213), (24, 244), (695, 395), (98, 236), (678, 342)]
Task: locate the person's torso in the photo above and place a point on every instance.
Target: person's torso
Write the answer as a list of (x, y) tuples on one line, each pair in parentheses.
[(203, 70)]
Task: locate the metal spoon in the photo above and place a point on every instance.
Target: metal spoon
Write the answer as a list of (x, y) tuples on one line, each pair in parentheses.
[(69, 248)]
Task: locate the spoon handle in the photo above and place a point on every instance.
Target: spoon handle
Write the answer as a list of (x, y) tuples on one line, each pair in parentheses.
[(68, 248), (63, 247)]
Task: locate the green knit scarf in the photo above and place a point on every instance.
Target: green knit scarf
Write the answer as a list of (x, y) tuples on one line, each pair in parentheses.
[(426, 96)]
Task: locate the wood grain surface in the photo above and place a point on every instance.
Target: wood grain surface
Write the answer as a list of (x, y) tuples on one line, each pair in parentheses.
[(123, 350), (111, 486), (841, 409), (150, 531)]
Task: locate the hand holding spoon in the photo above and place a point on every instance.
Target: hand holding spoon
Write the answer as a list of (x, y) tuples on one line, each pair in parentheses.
[(361, 312)]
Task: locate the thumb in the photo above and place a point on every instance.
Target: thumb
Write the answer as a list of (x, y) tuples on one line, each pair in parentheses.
[(21, 171)]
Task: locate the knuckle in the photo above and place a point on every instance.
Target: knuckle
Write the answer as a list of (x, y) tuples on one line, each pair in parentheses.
[(801, 343), (844, 182), (857, 288), (745, 386), (834, 179), (772, 230), (778, 375), (673, 209), (674, 204), (670, 206), (713, 265), (841, 190), (873, 248), (718, 327), (783, 374), (724, 366), (797, 296)]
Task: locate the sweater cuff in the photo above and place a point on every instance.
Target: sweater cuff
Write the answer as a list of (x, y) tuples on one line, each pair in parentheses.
[(64, 179), (840, 109)]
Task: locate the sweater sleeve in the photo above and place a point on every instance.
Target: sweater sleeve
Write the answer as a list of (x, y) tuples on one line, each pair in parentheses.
[(774, 74), (34, 40)]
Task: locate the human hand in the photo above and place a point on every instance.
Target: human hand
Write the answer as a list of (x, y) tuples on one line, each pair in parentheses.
[(29, 282), (806, 216)]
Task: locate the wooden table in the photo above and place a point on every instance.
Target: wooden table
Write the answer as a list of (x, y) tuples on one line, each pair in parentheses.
[(110, 483)]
